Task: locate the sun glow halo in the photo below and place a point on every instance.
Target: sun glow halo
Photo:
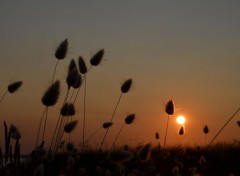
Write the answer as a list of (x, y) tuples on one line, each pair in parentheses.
[(181, 120)]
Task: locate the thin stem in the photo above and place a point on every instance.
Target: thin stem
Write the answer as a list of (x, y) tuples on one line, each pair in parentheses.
[(205, 139), (69, 137), (81, 84), (117, 135), (54, 72), (95, 132), (3, 96), (72, 95), (224, 126), (61, 136), (59, 131), (166, 133), (84, 112), (110, 121), (45, 123), (59, 118), (40, 124)]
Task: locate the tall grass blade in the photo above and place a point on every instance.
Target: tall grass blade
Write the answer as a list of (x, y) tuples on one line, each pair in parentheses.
[(235, 113)]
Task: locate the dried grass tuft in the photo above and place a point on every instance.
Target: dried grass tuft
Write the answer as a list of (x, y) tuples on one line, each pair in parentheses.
[(62, 49), (82, 65), (129, 119), (69, 127), (144, 153), (126, 86), (72, 65), (181, 131), (206, 129), (107, 124), (68, 109), (50, 97), (169, 108), (72, 78), (69, 147), (97, 58), (13, 87)]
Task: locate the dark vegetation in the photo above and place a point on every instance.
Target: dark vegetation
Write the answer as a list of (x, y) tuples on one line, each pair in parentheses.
[(63, 158)]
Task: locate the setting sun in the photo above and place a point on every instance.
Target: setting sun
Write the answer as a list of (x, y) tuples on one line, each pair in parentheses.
[(180, 120)]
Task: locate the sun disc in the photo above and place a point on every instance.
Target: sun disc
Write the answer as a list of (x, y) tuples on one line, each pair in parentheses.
[(180, 120)]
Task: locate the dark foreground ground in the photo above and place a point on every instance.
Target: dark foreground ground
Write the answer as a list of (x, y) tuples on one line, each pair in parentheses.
[(218, 160)]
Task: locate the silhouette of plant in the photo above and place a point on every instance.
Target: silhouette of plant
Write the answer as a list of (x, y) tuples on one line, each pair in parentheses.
[(128, 120), (169, 109), (13, 87), (126, 86), (205, 131)]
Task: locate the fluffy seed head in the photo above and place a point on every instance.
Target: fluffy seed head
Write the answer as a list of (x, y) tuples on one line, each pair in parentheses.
[(71, 109), (144, 152), (82, 65), (107, 124), (129, 119), (69, 147), (72, 77), (126, 86), (61, 50), (120, 156), (72, 65), (69, 127), (68, 109), (13, 87), (97, 58), (50, 97), (64, 110), (169, 108), (206, 129), (157, 135), (181, 131), (78, 82)]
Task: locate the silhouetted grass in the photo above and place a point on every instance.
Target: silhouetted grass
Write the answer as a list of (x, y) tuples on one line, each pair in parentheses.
[(219, 159), (65, 158)]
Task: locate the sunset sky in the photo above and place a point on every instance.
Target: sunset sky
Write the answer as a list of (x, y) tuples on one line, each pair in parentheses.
[(187, 51)]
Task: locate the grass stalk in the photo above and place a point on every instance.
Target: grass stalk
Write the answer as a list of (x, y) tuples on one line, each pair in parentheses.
[(3, 96), (231, 117), (93, 134), (59, 119), (39, 127), (115, 109), (84, 112), (84, 77), (117, 135), (165, 138), (45, 124), (55, 69)]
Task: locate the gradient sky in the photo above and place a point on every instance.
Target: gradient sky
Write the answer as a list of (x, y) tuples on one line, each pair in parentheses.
[(186, 50)]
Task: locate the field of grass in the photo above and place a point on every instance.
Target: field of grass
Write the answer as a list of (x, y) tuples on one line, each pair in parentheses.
[(63, 158), (219, 159)]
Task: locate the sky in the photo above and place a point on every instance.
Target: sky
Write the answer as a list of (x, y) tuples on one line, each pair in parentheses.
[(185, 51)]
